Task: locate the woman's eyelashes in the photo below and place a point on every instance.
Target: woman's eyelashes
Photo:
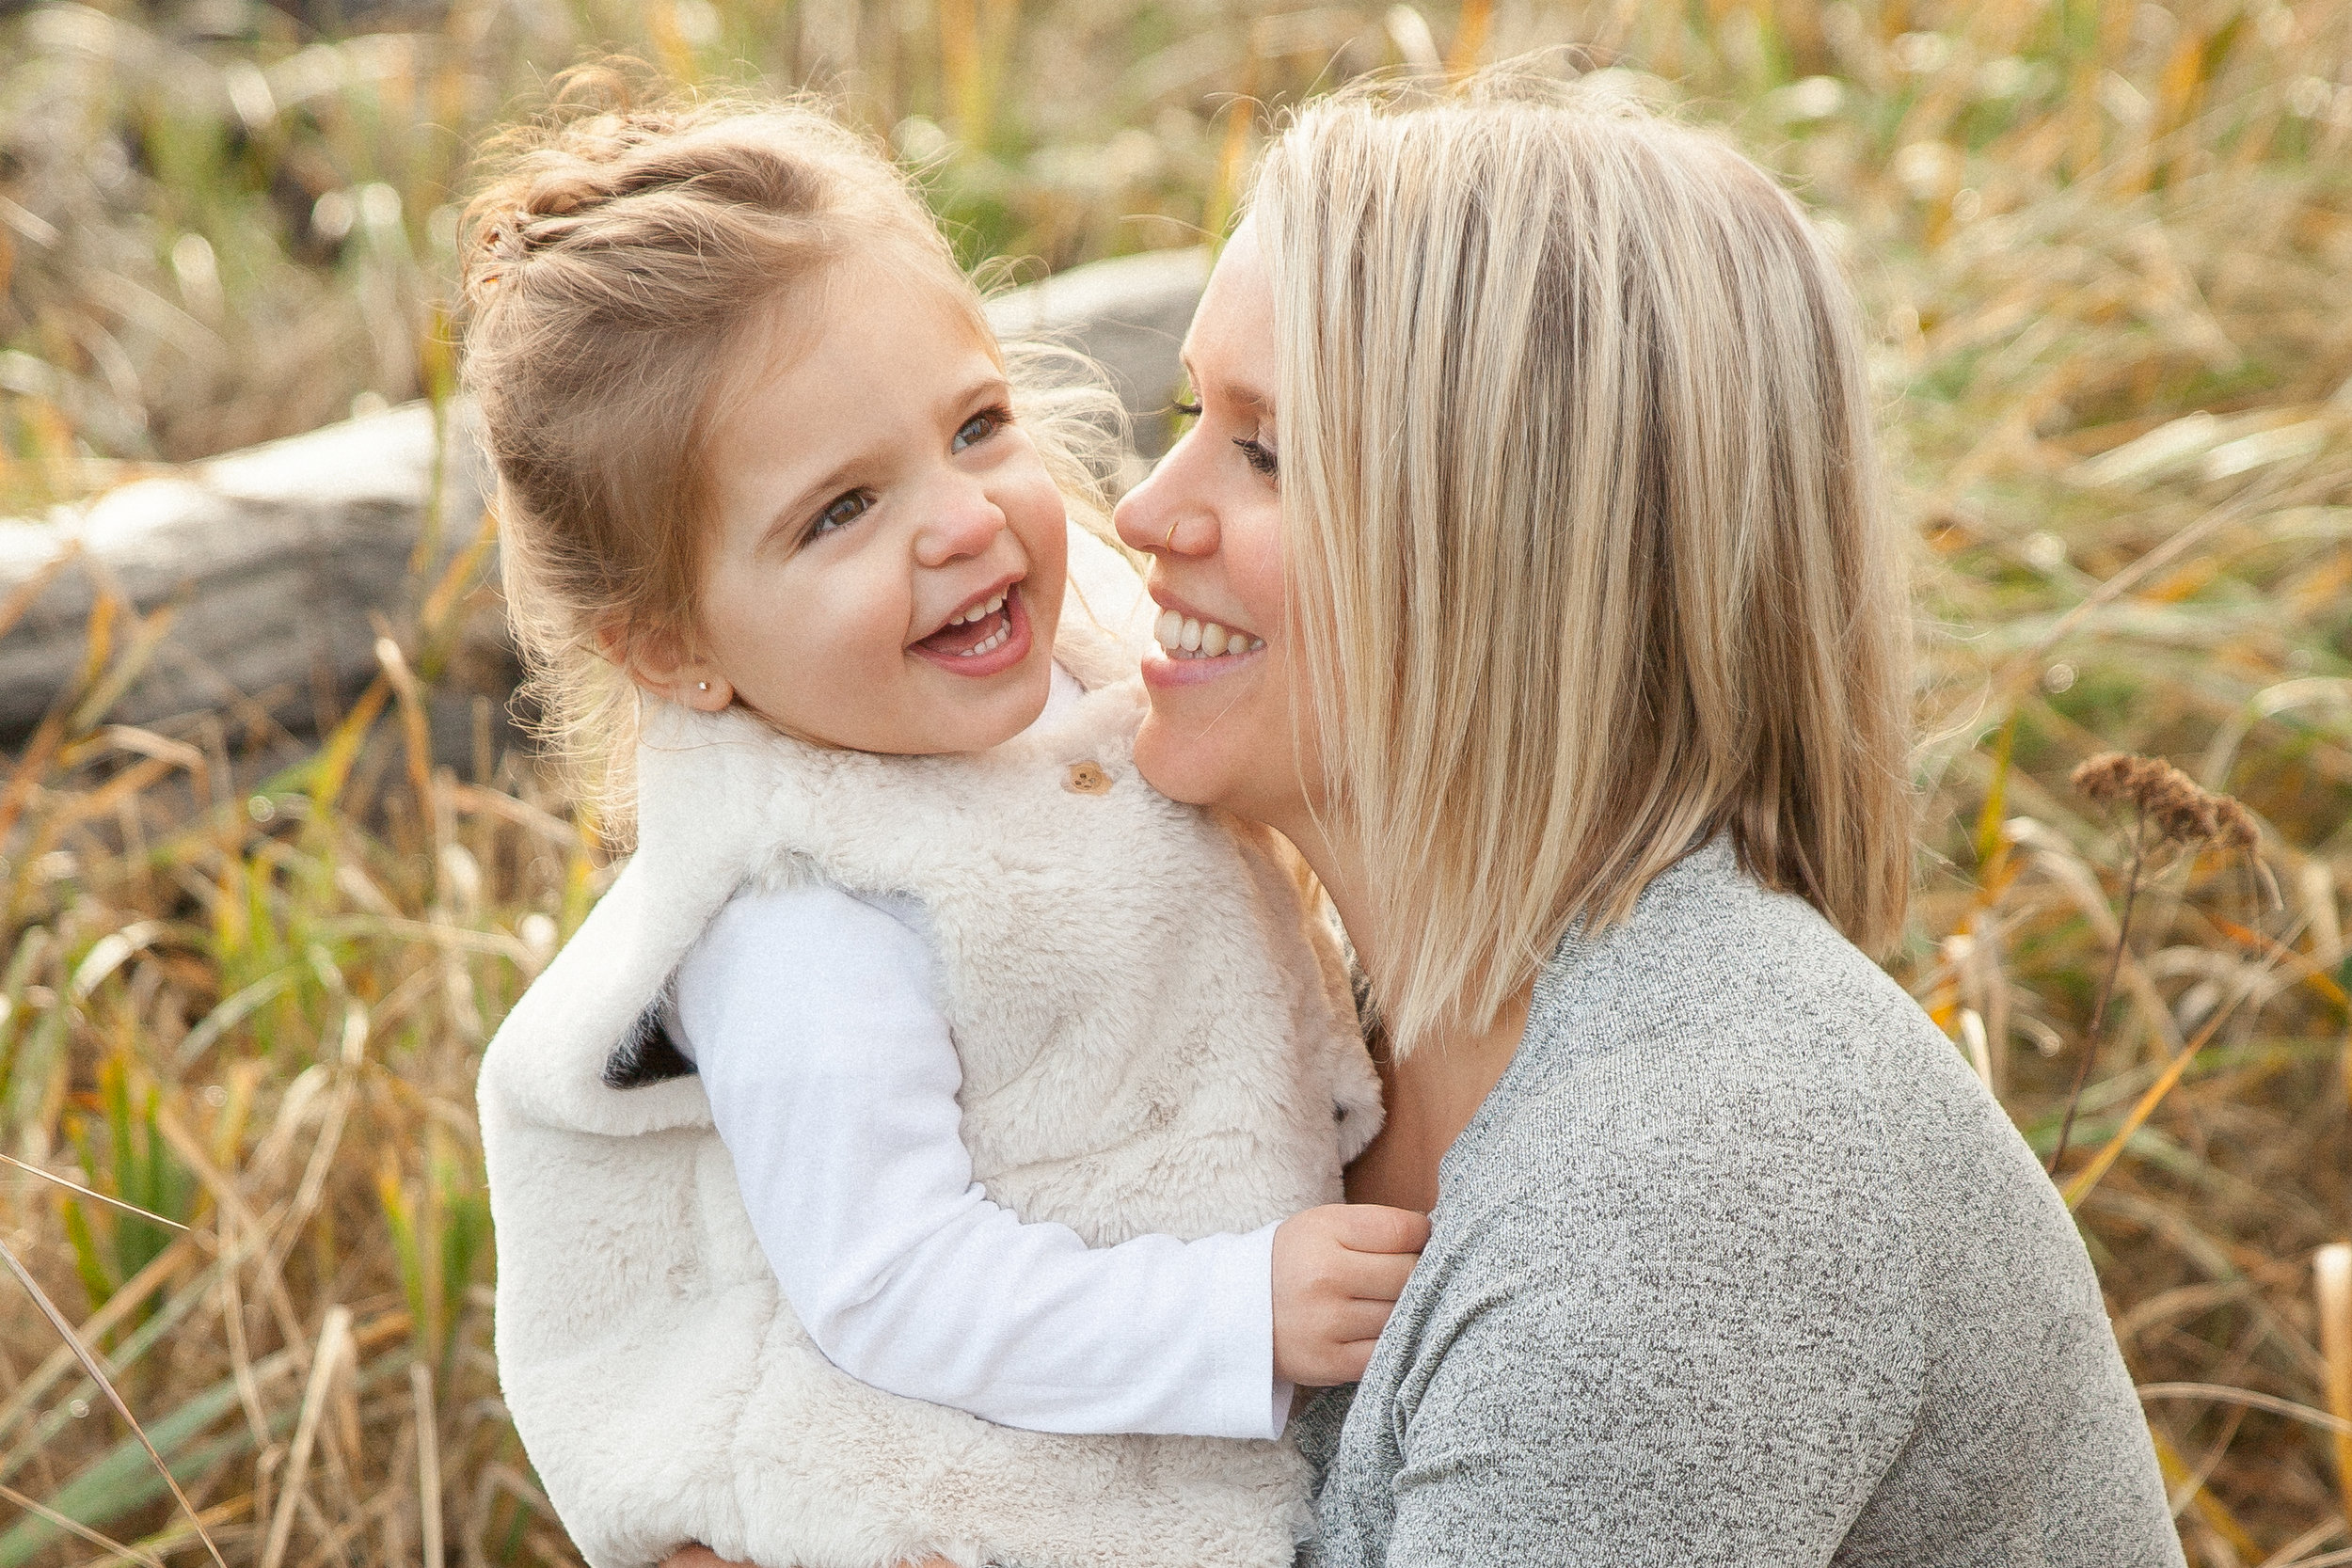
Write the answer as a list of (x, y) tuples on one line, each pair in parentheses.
[(1255, 453)]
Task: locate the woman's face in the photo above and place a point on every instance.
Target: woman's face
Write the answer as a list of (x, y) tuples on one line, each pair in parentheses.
[(1221, 729)]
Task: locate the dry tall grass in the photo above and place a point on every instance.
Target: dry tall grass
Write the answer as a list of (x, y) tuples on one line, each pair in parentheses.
[(2109, 250)]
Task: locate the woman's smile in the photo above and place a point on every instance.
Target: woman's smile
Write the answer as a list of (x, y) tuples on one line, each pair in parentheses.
[(1194, 646)]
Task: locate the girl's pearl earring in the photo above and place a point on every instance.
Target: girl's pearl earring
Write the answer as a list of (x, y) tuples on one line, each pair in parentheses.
[(701, 686)]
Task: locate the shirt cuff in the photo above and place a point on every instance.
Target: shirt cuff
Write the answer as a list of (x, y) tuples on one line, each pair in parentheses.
[(1261, 1401)]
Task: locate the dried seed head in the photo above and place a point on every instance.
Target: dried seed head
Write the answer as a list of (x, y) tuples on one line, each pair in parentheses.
[(2168, 800), (2238, 829), (2106, 778), (2178, 809)]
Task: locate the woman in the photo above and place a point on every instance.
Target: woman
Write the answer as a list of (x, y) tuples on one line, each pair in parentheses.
[(1533, 440)]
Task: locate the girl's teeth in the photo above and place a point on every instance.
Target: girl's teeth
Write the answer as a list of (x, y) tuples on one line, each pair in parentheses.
[(979, 613), (1181, 637), (988, 644)]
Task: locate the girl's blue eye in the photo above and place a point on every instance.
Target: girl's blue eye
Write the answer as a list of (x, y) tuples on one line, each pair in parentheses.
[(840, 512), (978, 428)]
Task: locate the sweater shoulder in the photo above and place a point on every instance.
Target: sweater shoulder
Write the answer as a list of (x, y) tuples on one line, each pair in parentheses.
[(1716, 987), (1725, 1055), (1725, 1040)]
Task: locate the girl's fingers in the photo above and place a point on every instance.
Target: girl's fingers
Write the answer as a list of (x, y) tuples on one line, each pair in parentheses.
[(1374, 1228), (1353, 1321), (1377, 1276)]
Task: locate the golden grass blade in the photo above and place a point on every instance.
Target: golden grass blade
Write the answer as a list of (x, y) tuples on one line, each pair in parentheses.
[(22, 598), (1979, 1048), (2142, 1110), (253, 1235), (448, 592), (2025, 667), (146, 636), (2325, 1560), (334, 1341), (147, 743), (231, 1011), (2298, 1552), (429, 1503), (2331, 1281), (120, 1305), (2208, 1507), (105, 1385), (1470, 37), (313, 1183), (74, 1527), (102, 1197), (332, 766), (2223, 1394), (167, 1540)]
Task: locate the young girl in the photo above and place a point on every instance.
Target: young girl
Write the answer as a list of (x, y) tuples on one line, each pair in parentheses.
[(858, 1126)]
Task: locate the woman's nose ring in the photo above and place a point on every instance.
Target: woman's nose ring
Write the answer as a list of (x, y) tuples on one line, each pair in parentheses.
[(1171, 539)]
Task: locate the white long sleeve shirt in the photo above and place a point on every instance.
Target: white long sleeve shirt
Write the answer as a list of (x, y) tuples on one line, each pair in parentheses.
[(833, 1080)]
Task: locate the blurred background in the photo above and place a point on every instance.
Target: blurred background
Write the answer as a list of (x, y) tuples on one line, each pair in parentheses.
[(2105, 249)]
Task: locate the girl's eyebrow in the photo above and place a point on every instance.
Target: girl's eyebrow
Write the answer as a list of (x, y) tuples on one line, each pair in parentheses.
[(991, 385), (832, 483)]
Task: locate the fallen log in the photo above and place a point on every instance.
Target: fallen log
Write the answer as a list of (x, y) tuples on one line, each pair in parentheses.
[(280, 564)]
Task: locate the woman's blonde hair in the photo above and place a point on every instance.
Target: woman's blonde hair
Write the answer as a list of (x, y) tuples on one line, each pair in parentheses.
[(1587, 557), (618, 257)]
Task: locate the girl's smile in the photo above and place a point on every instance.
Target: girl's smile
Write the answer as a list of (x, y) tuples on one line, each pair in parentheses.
[(990, 635)]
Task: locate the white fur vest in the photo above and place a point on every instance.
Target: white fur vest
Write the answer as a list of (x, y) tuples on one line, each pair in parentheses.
[(1154, 1037)]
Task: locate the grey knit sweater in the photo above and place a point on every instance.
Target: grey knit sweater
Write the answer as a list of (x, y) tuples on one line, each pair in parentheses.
[(1740, 1263)]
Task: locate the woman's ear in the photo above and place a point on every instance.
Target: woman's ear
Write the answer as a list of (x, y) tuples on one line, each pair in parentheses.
[(662, 663)]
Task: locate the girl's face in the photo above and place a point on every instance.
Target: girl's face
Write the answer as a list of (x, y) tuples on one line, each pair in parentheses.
[(886, 569), (1222, 728)]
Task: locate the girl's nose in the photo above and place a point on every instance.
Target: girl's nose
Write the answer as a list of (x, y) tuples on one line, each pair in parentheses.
[(962, 522)]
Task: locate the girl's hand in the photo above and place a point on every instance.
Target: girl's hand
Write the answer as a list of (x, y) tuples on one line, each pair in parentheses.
[(1337, 1271), (699, 1556)]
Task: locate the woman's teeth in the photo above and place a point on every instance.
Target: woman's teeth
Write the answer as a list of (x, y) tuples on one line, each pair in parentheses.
[(1184, 638)]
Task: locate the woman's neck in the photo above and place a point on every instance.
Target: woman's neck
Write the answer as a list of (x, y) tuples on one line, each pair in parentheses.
[(1432, 1093)]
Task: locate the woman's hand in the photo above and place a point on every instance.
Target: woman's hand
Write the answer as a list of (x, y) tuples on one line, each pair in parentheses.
[(700, 1556), (1337, 1271)]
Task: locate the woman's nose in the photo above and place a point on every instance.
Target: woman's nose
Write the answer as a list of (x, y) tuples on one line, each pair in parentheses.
[(962, 521), (1149, 516)]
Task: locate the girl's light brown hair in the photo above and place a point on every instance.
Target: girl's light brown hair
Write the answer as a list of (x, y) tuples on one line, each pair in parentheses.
[(618, 260), (1587, 557)]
